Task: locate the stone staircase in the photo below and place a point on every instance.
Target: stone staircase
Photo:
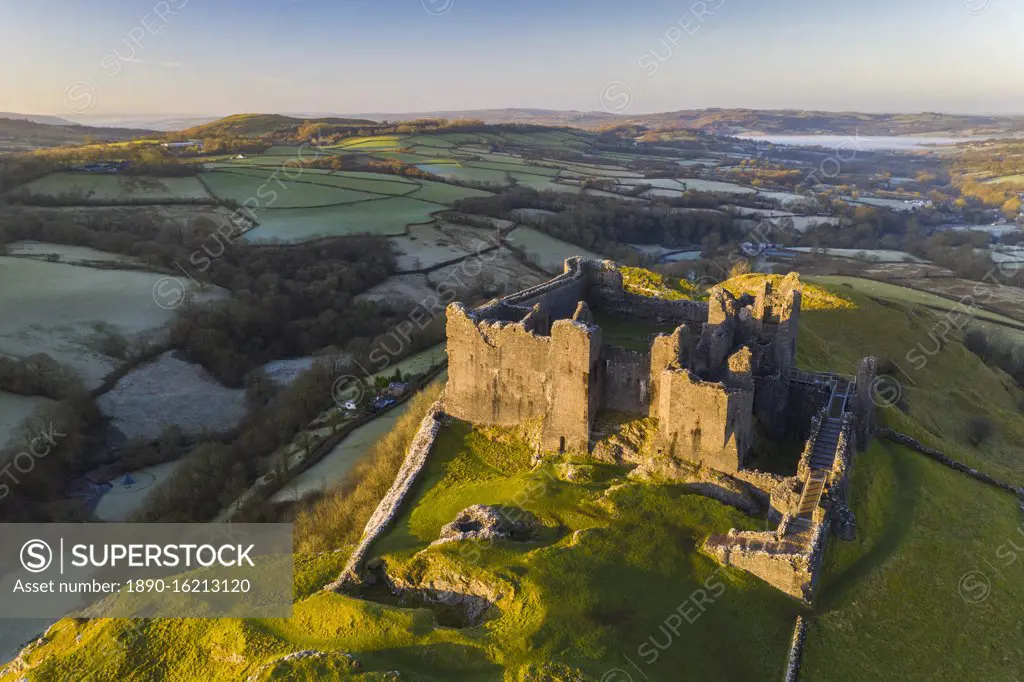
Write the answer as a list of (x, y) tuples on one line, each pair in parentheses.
[(812, 493), (823, 454)]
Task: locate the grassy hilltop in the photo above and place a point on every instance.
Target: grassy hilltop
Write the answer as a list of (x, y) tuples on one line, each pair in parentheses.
[(615, 558)]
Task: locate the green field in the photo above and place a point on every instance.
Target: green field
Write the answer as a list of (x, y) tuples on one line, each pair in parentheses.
[(442, 193), (287, 162), (371, 183), (545, 251), (372, 143), (610, 171), (296, 151), (280, 194), (894, 292), (111, 189), (311, 190), (889, 606), (415, 159), (514, 167), (383, 217)]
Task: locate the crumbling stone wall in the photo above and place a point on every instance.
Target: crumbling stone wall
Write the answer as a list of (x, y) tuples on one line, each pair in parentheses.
[(607, 295), (864, 404), (538, 354), (572, 390), (782, 560), (774, 319), (785, 408), (497, 371), (558, 296), (627, 381), (702, 421)]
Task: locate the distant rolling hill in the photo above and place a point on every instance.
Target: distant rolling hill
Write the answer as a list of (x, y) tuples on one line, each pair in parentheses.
[(797, 122), (734, 121), (162, 123), (34, 118), (247, 125), (17, 135), (548, 117)]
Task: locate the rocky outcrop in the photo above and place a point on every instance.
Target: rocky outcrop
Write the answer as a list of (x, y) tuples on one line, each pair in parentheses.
[(282, 668), (703, 481), (472, 599), (484, 522)]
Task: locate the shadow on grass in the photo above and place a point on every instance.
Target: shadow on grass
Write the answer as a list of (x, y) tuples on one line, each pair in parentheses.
[(442, 661), (899, 521)]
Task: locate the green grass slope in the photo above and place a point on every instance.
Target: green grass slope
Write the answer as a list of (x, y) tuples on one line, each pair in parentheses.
[(943, 385), (904, 601), (604, 584), (597, 587)]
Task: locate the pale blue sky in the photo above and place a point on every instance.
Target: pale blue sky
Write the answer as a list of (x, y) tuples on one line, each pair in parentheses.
[(226, 56)]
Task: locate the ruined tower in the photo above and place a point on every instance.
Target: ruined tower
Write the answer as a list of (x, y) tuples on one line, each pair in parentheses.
[(540, 355)]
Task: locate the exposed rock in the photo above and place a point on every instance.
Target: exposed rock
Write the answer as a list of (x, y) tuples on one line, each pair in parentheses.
[(844, 522), (484, 522), (470, 597), (702, 481), (282, 668), (622, 442)]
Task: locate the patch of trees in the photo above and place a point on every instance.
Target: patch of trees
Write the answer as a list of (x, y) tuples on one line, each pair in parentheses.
[(40, 375), (873, 228), (604, 224), (49, 448), (18, 169), (288, 300)]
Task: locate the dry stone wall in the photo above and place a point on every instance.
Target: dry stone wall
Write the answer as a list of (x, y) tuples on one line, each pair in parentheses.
[(796, 650), (415, 460)]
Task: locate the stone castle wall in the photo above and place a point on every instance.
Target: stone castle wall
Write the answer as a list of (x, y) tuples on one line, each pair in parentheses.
[(607, 295), (702, 421), (572, 387), (538, 354), (497, 371), (627, 381)]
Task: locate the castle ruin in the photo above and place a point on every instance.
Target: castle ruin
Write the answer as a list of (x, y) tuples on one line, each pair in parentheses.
[(711, 376), (541, 355)]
